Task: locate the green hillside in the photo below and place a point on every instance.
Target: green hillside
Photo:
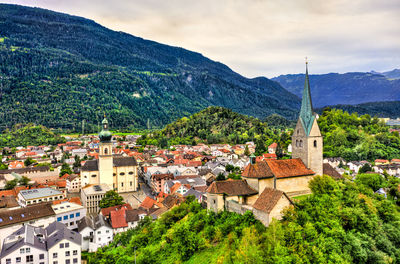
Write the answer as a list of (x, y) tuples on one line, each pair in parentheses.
[(29, 135), (341, 222), (58, 70), (216, 125)]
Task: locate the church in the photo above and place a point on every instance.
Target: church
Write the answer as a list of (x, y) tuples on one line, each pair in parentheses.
[(119, 173), (267, 186)]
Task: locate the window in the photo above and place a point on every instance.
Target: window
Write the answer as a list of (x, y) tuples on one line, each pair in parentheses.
[(114, 174), (71, 216), (28, 250), (55, 262), (67, 261), (106, 151), (66, 245), (122, 174), (65, 217), (75, 252), (107, 231), (131, 172), (8, 261), (41, 256), (99, 232), (29, 258), (298, 131), (75, 260), (67, 253), (59, 219), (55, 255), (131, 184), (78, 214), (62, 245), (18, 259), (22, 250), (315, 143), (93, 175), (122, 184)]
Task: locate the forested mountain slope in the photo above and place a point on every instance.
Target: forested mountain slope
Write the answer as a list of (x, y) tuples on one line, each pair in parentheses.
[(57, 70)]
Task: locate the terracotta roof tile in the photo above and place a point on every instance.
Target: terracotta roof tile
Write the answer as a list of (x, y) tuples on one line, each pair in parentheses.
[(147, 203), (118, 218), (288, 168), (106, 211), (268, 199), (231, 188), (258, 170)]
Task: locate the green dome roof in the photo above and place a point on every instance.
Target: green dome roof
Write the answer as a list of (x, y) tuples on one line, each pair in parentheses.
[(105, 135)]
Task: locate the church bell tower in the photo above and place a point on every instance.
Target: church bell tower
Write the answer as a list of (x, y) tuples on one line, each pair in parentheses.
[(105, 155), (307, 142)]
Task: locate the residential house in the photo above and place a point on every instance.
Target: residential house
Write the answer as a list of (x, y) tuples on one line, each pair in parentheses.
[(96, 232)]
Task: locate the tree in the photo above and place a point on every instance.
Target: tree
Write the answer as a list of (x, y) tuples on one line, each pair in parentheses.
[(11, 184), (3, 166), (29, 161), (24, 180), (65, 169), (220, 177), (77, 162), (246, 151), (365, 168), (111, 198), (372, 180)]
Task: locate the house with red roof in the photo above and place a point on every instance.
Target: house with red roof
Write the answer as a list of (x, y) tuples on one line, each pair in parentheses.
[(272, 148), (16, 164)]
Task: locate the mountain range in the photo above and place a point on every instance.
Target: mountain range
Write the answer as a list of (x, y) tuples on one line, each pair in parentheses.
[(58, 70), (347, 88)]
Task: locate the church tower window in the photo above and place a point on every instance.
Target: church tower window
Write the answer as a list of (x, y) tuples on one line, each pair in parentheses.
[(315, 143), (106, 151)]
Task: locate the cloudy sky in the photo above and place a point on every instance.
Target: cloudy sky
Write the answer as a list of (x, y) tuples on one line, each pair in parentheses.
[(258, 37)]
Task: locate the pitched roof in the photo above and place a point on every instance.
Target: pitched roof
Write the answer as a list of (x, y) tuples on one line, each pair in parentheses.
[(268, 199), (57, 231), (258, 170), (124, 161), (90, 165), (288, 168), (108, 210), (231, 188), (330, 171), (25, 214), (273, 145), (118, 219), (147, 203)]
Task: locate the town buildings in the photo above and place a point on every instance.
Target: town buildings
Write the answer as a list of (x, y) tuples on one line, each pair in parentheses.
[(119, 173)]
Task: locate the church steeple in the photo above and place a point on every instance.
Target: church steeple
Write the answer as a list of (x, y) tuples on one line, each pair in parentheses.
[(307, 141), (306, 112)]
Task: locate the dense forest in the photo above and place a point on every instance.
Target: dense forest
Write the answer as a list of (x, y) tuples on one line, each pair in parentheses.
[(29, 135), (379, 109), (218, 125), (340, 222), (355, 137), (58, 70)]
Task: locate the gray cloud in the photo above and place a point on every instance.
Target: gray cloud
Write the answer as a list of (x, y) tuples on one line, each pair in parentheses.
[(259, 37)]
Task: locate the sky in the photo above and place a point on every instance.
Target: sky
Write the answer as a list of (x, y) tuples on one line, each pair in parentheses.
[(258, 37)]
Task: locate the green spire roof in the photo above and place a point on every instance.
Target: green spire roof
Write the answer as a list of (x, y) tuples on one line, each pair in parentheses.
[(306, 112), (105, 135)]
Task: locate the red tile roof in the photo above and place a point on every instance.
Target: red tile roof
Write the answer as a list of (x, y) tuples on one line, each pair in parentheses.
[(231, 188), (288, 168), (273, 145), (175, 187), (268, 199), (278, 168), (106, 211), (148, 203), (118, 218), (381, 161)]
